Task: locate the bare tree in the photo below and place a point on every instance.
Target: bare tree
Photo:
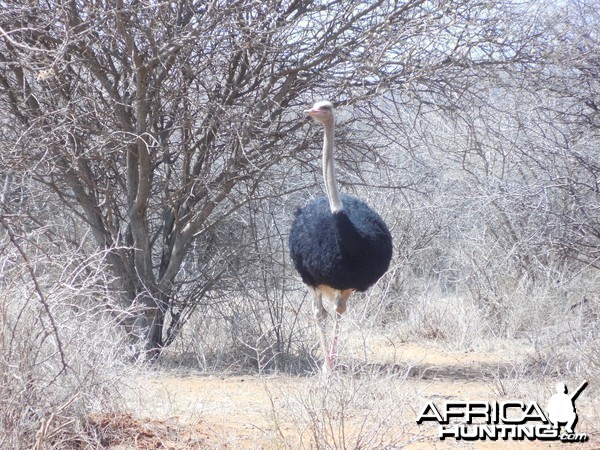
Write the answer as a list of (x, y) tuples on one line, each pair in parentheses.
[(566, 138), (153, 122)]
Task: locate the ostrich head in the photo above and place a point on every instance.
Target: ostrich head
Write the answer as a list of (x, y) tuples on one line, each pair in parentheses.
[(321, 111)]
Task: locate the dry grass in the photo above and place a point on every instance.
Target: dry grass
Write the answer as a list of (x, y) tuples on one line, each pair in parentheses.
[(344, 412), (372, 405), (71, 388), (62, 353), (123, 431)]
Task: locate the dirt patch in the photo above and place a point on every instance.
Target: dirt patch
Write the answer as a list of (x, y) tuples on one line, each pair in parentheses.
[(373, 403), (124, 431), (229, 412)]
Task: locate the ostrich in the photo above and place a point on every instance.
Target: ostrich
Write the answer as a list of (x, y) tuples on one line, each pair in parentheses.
[(337, 243)]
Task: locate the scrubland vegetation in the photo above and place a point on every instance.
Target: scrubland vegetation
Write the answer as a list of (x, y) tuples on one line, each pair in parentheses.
[(152, 155)]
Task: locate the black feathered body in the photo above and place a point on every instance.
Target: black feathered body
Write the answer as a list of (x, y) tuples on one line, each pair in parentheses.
[(349, 249)]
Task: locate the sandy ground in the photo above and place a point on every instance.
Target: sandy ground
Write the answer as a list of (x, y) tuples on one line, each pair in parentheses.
[(372, 405)]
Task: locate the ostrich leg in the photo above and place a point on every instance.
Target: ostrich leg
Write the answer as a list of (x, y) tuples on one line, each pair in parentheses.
[(321, 316), (339, 300)]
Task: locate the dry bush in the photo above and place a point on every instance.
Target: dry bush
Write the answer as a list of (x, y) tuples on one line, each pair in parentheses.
[(62, 352), (123, 430), (344, 412), (461, 291), (251, 331)]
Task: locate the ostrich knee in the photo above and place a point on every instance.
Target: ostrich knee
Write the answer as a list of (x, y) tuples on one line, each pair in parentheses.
[(340, 306), (340, 301), (320, 315), (319, 310)]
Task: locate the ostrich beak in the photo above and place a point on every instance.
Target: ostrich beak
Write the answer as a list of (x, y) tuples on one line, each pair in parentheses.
[(314, 112)]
